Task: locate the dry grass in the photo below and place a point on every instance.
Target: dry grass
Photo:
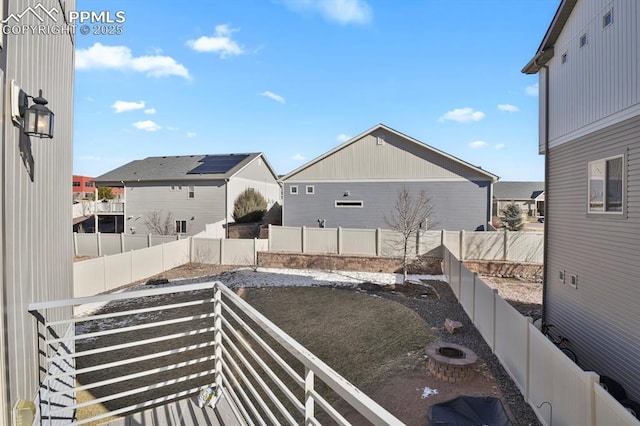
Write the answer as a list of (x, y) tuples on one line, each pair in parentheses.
[(362, 337)]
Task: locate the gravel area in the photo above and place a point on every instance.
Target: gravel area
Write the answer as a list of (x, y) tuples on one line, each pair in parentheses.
[(436, 311)]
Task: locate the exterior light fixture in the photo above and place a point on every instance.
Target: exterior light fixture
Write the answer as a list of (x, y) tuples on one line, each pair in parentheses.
[(38, 119)]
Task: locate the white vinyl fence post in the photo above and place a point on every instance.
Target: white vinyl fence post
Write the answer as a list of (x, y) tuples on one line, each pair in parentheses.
[(303, 236), (378, 241), (505, 249), (99, 242), (339, 240)]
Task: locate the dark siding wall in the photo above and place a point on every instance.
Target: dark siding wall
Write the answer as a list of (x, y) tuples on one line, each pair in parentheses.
[(601, 317), (458, 204)]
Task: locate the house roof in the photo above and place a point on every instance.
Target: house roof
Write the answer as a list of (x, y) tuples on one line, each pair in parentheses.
[(181, 167), (517, 190), (545, 51), (389, 129)]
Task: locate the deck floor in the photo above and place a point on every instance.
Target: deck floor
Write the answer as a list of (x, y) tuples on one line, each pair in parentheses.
[(184, 413)]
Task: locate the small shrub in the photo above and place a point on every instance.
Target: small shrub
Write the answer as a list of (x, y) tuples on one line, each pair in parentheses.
[(250, 206), (512, 217)]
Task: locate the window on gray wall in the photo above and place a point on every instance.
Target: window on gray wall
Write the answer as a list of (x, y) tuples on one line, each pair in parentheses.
[(293, 189), (310, 189), (181, 226), (606, 185), (192, 191)]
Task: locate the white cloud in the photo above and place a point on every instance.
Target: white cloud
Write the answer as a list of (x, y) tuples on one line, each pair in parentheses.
[(275, 97), (508, 108), (477, 144), (147, 126), (463, 115), (531, 90), (191, 134), (150, 111), (100, 56), (90, 99), (220, 43), (172, 128), (299, 157), (499, 146), (124, 106), (340, 11), (342, 137)]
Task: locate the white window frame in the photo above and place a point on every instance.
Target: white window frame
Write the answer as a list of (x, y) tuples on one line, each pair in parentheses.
[(604, 211), (352, 204), (584, 38), (191, 194), (181, 226), (604, 19), (293, 190), (309, 190)]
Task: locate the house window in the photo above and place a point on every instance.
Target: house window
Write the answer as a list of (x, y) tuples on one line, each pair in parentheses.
[(88, 184), (76, 184), (192, 191), (583, 40), (310, 189), (607, 19), (293, 189), (561, 276), (564, 58), (181, 226), (606, 183), (349, 204)]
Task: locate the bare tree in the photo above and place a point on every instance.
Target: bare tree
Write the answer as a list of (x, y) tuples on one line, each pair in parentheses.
[(159, 223), (410, 215)]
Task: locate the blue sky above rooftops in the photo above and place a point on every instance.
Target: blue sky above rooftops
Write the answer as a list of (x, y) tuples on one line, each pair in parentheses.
[(295, 78)]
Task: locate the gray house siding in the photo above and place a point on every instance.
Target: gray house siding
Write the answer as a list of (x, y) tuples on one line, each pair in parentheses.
[(601, 317), (207, 206), (458, 204), (35, 242)]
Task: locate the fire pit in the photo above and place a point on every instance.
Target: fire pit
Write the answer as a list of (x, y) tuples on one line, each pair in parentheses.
[(450, 362)]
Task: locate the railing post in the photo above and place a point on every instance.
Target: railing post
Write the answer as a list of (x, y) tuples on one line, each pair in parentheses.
[(217, 324), (309, 413)]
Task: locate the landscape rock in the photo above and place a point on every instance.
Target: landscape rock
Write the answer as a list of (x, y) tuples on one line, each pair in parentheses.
[(452, 326), (157, 281)]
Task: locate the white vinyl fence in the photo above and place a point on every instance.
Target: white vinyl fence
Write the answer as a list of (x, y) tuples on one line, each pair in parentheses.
[(100, 244), (107, 273), (559, 391), (503, 245)]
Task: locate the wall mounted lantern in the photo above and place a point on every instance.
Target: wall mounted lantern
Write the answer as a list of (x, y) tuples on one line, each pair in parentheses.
[(37, 119)]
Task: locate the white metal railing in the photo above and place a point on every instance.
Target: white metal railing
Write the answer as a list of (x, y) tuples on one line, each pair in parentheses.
[(109, 207), (139, 349)]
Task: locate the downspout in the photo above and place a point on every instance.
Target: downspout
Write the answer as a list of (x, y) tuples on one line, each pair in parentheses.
[(545, 238)]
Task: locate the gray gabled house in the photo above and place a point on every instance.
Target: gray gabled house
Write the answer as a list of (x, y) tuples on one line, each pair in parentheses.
[(195, 190), (588, 66), (356, 184), (528, 195)]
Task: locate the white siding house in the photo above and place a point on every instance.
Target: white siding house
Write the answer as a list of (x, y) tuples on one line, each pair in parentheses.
[(589, 68), (35, 242)]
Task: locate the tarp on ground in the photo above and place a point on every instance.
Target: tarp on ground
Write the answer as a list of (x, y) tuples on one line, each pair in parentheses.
[(469, 411)]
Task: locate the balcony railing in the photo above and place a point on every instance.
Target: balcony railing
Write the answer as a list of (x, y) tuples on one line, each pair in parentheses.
[(141, 349), (109, 207)]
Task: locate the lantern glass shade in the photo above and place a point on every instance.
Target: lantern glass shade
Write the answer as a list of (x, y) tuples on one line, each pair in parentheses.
[(38, 121)]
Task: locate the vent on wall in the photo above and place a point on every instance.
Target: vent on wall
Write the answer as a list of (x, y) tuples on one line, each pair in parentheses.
[(574, 281), (379, 140)]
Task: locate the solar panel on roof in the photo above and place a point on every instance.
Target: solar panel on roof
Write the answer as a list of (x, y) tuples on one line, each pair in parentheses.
[(217, 164)]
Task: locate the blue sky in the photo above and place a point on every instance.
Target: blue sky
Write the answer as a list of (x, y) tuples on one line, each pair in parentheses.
[(295, 78)]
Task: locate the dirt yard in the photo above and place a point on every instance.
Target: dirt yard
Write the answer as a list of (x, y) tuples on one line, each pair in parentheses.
[(523, 294)]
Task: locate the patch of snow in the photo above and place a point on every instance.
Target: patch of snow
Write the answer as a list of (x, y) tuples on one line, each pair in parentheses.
[(427, 392)]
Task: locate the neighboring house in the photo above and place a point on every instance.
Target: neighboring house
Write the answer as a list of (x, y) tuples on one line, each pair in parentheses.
[(35, 245), (82, 187), (588, 65), (195, 190), (528, 195), (356, 184)]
